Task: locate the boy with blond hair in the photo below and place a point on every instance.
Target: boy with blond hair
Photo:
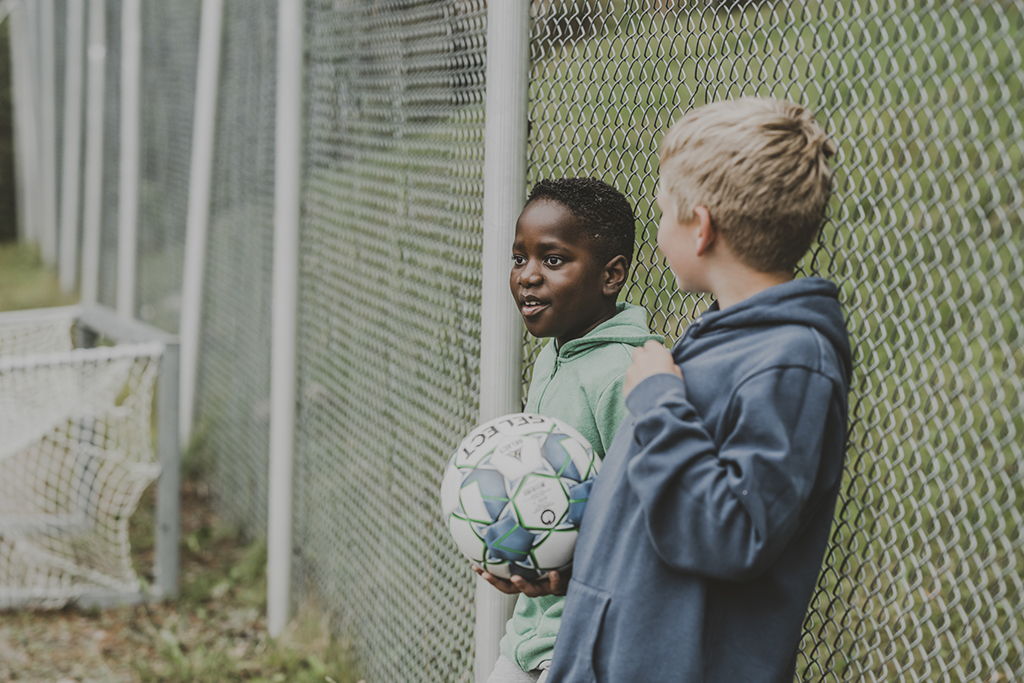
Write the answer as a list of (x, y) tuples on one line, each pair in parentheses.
[(703, 538)]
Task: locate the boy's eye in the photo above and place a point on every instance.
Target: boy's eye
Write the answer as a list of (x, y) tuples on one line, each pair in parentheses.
[(554, 260), (518, 260)]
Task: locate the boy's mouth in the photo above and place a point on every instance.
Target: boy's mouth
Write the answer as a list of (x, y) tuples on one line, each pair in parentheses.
[(530, 307)]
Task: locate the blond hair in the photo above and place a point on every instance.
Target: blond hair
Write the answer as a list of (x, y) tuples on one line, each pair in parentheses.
[(760, 167)]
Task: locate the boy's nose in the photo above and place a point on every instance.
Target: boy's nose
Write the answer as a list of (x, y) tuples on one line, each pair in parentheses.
[(529, 275)]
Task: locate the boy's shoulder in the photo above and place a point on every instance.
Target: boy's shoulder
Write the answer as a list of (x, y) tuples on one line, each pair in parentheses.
[(798, 324), (627, 328)]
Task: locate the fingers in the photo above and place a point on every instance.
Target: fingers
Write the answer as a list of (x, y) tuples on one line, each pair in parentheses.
[(526, 588), (501, 584), (650, 359), (656, 346), (549, 585)]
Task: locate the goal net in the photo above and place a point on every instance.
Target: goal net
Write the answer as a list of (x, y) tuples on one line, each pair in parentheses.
[(76, 454)]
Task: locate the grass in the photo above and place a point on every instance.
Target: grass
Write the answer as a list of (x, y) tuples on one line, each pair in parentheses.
[(25, 283)]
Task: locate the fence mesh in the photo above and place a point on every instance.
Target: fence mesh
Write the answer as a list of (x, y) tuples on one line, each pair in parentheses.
[(170, 46), (389, 323), (234, 377), (923, 579)]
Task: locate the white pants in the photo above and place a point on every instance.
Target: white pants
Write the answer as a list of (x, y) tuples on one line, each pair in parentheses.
[(507, 671)]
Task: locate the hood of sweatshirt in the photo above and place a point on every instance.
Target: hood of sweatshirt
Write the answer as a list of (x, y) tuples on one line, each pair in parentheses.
[(810, 301), (627, 326)]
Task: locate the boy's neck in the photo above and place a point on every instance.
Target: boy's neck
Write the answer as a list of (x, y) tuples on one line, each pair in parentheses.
[(609, 312), (738, 284)]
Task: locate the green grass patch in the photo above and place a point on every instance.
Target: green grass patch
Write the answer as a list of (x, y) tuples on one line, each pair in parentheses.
[(214, 630), (25, 282)]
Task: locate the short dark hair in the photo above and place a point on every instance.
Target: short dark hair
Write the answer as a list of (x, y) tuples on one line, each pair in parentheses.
[(602, 212)]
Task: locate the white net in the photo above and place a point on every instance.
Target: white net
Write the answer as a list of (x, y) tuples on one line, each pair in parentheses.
[(76, 453)]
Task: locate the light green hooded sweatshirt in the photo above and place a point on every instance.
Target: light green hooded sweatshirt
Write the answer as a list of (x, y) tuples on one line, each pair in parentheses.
[(580, 383)]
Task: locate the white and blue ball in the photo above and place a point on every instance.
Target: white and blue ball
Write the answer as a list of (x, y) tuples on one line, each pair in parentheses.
[(514, 492)]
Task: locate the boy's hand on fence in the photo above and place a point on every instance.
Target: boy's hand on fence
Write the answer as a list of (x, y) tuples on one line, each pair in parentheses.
[(650, 359), (552, 584)]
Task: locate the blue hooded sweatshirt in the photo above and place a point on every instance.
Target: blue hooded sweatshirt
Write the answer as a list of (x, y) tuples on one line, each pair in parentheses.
[(704, 535)]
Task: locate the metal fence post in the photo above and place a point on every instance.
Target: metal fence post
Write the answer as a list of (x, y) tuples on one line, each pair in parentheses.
[(168, 494), (47, 234), (128, 194), (200, 183), (508, 58), (71, 171), (25, 89), (284, 316), (92, 208)]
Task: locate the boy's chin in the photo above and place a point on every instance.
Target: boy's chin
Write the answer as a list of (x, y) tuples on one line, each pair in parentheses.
[(536, 328), (536, 331), (687, 286)]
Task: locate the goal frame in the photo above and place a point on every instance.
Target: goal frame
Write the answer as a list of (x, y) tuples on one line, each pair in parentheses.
[(92, 323)]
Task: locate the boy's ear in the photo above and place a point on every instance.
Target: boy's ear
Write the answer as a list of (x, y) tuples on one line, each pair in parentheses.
[(615, 273), (706, 233)]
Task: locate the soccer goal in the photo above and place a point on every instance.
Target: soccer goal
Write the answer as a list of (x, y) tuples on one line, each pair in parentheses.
[(88, 420)]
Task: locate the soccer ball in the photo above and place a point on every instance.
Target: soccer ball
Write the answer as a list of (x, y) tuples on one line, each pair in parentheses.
[(514, 491)]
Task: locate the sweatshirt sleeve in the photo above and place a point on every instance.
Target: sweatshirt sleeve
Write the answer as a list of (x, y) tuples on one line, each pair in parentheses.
[(611, 412), (726, 512)]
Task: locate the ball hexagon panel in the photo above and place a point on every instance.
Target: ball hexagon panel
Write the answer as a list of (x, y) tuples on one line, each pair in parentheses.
[(466, 538), (558, 450), (540, 501), (555, 548), (483, 495), (579, 494), (507, 540)]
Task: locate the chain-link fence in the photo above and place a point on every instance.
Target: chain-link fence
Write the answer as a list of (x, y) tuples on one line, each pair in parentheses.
[(170, 46), (389, 323), (923, 579), (235, 359)]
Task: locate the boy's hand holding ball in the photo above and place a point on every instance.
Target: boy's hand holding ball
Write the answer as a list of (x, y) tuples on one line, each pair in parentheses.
[(553, 583), (650, 359)]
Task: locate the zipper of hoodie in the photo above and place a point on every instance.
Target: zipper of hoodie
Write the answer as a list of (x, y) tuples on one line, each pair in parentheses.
[(554, 369)]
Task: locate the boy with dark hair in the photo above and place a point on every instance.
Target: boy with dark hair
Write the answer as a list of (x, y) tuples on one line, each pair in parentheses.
[(571, 256), (704, 534)]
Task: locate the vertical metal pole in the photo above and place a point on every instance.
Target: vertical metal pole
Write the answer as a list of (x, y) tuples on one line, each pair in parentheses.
[(128, 186), (24, 42), (284, 317), (168, 497), (508, 58), (199, 190), (71, 171), (92, 212), (47, 133)]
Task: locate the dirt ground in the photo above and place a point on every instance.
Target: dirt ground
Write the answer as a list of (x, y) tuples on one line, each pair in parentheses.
[(214, 632)]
